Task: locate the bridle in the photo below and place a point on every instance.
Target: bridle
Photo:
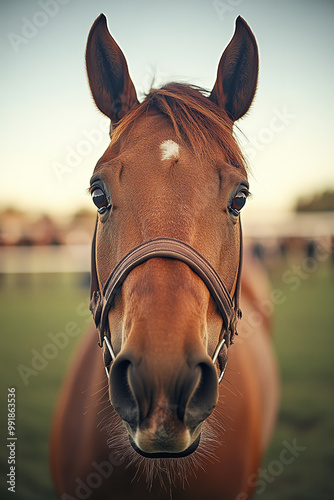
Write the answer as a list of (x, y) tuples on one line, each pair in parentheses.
[(167, 248)]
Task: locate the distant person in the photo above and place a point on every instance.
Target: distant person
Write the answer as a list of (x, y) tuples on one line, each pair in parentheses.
[(311, 249), (258, 251)]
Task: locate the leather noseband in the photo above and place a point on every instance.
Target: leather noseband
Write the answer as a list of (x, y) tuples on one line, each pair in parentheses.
[(167, 248)]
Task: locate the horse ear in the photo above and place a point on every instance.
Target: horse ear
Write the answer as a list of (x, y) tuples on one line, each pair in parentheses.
[(237, 74), (108, 75)]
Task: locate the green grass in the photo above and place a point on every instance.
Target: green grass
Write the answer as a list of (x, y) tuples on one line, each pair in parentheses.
[(33, 306), (304, 342)]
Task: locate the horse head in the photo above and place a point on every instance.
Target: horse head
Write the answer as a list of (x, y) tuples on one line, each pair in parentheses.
[(173, 172)]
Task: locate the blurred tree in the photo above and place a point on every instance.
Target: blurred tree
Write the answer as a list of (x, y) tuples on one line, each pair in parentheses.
[(319, 202)]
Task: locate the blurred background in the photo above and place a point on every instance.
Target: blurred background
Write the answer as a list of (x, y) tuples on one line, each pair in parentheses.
[(51, 137)]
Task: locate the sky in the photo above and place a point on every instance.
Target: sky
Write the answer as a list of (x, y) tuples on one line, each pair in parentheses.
[(52, 134)]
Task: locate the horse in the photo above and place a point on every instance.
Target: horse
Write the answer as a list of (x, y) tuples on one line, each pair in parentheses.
[(177, 406)]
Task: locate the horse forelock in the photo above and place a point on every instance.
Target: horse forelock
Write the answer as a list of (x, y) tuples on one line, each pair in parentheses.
[(196, 120)]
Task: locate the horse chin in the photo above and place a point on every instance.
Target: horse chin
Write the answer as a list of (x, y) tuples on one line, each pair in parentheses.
[(164, 454)]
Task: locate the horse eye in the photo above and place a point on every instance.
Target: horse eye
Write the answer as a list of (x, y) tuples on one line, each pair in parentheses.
[(238, 202), (99, 199)]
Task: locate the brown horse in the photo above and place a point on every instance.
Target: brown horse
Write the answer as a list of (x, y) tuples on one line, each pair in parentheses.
[(154, 421)]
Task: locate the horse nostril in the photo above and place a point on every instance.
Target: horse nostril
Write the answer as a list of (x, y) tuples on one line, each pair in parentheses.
[(203, 401), (192, 394), (121, 396)]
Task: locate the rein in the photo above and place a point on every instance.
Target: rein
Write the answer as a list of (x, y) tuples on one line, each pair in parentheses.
[(170, 248)]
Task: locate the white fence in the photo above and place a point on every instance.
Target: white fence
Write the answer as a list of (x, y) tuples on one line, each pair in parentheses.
[(76, 258), (45, 259)]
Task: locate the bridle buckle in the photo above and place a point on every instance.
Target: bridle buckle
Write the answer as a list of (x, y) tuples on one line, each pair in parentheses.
[(214, 359), (112, 355)]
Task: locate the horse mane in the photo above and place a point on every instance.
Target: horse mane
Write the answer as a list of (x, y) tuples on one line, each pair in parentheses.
[(196, 120)]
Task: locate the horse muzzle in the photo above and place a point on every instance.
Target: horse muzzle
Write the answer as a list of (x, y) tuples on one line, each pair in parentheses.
[(163, 405)]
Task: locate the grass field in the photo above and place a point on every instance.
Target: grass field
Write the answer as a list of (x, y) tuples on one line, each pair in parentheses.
[(304, 341), (33, 307)]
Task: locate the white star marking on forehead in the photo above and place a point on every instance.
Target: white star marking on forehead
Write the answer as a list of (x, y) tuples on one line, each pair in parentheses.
[(170, 150)]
